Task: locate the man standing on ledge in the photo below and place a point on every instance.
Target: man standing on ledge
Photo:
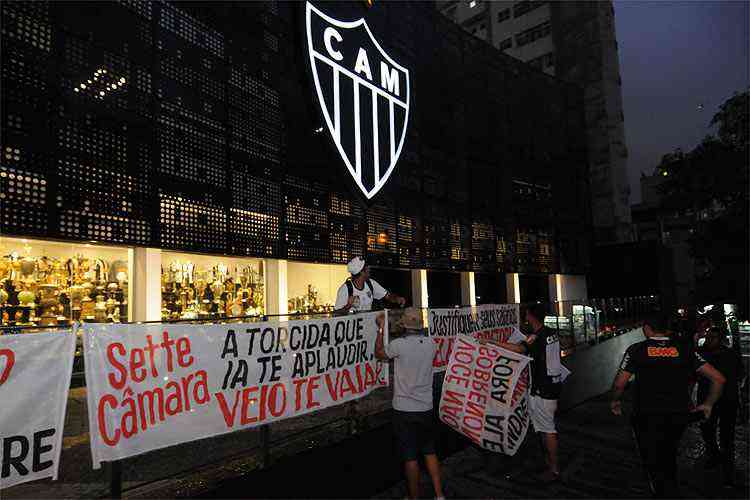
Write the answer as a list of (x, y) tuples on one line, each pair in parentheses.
[(543, 345), (662, 367), (359, 292)]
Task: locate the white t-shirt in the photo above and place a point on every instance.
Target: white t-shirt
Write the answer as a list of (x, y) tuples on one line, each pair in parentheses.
[(412, 377), (362, 298)]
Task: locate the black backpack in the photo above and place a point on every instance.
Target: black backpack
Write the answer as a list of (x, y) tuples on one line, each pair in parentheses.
[(377, 304)]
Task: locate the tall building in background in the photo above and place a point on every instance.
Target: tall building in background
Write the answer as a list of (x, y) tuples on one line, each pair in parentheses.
[(575, 41)]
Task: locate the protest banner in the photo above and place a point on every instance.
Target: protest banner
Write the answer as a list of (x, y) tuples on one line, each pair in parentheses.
[(495, 322), (35, 370), (485, 395), (157, 385)]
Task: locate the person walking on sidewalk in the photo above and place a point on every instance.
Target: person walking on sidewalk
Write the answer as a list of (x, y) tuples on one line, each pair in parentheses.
[(413, 418), (662, 367), (729, 364), (543, 345)]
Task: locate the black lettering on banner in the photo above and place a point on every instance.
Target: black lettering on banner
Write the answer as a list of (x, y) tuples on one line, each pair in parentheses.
[(275, 368), (252, 332), (230, 345), (37, 465), (21, 443), (15, 460), (299, 368), (240, 376)]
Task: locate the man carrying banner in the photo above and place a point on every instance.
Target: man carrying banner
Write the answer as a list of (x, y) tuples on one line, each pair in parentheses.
[(413, 419), (543, 345), (359, 292)]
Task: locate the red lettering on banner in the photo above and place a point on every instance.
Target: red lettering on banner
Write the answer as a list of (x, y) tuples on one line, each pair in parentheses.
[(150, 407), (135, 366), (224, 407), (452, 397), (333, 387), (10, 360), (298, 383), (453, 379), (346, 383), (116, 383), (311, 386), (112, 402), (479, 386), (247, 402), (478, 397)]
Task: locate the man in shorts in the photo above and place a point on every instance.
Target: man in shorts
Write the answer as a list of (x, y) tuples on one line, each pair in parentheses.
[(547, 372), (413, 418)]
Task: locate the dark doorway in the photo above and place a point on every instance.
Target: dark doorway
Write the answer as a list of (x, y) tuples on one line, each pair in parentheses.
[(443, 289), (534, 287), (396, 281), (490, 288)]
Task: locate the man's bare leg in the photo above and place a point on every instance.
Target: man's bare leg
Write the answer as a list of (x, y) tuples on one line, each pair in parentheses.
[(550, 445), (411, 469), (433, 468)]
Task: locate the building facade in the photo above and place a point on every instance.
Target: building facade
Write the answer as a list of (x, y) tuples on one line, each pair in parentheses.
[(575, 41), (166, 160)]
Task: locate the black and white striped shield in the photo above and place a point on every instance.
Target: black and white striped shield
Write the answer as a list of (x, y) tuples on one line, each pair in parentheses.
[(363, 95)]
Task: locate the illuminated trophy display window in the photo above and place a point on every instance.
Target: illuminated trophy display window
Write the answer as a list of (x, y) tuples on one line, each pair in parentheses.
[(312, 288), (195, 286), (47, 283)]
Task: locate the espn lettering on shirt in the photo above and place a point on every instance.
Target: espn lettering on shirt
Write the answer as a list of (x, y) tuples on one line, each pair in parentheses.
[(158, 385), (494, 322), (485, 395), (35, 371)]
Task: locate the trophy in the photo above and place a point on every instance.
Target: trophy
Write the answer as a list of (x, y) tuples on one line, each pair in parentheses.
[(49, 304)]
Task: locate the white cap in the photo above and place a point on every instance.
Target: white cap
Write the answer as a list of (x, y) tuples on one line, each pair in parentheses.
[(355, 265)]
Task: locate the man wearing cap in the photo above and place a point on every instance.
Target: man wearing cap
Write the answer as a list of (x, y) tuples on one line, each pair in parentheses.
[(359, 292), (413, 417)]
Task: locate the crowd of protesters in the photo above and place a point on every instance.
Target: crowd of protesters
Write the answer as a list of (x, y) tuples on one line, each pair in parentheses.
[(663, 370)]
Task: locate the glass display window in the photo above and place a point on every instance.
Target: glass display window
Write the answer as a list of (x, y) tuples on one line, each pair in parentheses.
[(196, 286), (312, 288), (49, 283)]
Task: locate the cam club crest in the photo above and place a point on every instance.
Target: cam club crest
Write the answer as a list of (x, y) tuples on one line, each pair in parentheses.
[(363, 96)]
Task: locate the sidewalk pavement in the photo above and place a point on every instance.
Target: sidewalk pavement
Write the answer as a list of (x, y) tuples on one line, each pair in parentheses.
[(598, 460)]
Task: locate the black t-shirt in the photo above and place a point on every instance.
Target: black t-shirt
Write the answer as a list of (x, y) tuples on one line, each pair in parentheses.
[(662, 368), (729, 364), (545, 367)]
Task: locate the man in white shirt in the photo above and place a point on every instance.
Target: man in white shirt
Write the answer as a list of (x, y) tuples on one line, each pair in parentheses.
[(359, 292), (413, 418)]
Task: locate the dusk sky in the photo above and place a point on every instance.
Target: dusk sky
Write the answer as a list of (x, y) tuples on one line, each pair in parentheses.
[(675, 56)]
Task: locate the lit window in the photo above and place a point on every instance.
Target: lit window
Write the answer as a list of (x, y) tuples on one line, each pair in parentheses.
[(472, 4)]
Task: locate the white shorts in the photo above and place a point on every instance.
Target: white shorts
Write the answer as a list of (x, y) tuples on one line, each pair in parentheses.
[(542, 413)]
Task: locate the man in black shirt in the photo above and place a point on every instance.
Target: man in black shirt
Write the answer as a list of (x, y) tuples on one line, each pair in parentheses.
[(546, 373), (662, 369), (729, 364)]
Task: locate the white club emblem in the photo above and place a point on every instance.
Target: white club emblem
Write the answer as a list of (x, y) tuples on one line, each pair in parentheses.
[(363, 95)]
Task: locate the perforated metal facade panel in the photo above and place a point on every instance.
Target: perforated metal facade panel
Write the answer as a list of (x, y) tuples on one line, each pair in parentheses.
[(190, 125)]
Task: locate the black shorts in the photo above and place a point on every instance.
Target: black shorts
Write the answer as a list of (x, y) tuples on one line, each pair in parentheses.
[(415, 433)]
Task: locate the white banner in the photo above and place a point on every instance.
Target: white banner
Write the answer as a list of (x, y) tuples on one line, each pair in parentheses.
[(156, 385), (485, 395), (35, 371), (494, 322)]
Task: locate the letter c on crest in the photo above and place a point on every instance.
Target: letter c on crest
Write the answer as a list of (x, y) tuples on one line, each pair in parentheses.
[(328, 34)]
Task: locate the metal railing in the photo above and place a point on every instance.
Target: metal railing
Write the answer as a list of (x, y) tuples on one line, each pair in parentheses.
[(578, 323)]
